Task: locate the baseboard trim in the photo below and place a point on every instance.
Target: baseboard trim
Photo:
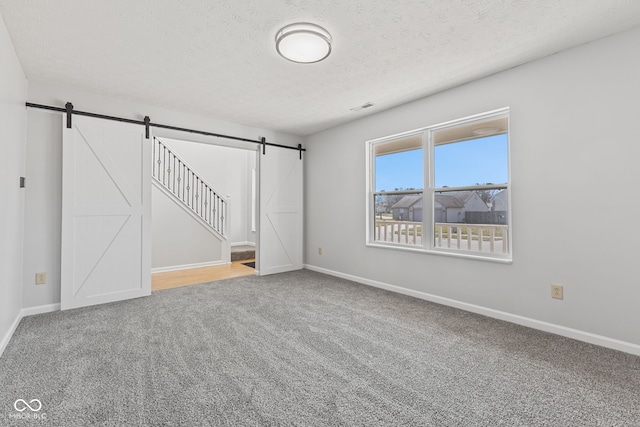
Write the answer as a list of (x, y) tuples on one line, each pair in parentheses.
[(188, 266), (31, 311), (9, 334), (21, 314), (576, 334)]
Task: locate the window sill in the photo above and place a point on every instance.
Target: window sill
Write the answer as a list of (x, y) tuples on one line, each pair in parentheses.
[(444, 252)]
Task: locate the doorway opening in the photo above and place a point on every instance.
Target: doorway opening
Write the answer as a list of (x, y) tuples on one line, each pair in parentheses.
[(106, 243), (203, 212)]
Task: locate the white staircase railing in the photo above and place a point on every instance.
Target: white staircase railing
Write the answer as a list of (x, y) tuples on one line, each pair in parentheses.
[(173, 174)]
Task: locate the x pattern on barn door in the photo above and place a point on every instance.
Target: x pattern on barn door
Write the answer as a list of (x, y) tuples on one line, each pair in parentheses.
[(280, 240), (106, 213)]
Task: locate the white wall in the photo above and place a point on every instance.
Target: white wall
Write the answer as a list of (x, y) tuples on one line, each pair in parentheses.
[(44, 135), (179, 240), (575, 144), (13, 95), (43, 208)]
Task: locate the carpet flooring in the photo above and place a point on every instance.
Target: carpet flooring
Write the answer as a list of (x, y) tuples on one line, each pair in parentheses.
[(305, 349)]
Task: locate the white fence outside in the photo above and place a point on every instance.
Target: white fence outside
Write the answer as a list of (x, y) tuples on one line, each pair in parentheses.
[(487, 238)]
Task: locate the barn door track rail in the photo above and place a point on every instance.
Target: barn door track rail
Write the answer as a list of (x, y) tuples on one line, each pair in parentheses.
[(146, 122)]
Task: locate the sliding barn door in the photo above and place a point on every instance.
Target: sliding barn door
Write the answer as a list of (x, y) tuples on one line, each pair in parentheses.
[(106, 212), (280, 229)]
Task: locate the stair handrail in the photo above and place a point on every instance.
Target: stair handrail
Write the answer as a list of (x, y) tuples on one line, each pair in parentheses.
[(187, 186)]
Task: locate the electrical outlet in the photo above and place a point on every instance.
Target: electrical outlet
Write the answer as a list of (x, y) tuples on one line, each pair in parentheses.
[(557, 291), (319, 251), (41, 278)]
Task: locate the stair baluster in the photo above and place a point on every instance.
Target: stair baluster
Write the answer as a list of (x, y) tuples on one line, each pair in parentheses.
[(173, 174)]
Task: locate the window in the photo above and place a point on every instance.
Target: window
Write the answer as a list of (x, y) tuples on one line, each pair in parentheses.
[(397, 199), (443, 188)]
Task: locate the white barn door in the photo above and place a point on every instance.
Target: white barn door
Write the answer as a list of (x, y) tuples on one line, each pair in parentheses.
[(106, 212), (280, 226)]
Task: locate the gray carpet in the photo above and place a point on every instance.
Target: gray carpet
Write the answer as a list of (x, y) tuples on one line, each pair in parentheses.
[(306, 349)]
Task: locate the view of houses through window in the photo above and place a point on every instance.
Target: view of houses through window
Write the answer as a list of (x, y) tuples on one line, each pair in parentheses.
[(443, 188)]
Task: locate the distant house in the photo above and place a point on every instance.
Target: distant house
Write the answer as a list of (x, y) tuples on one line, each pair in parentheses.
[(409, 208), (500, 201), (453, 207), (498, 214)]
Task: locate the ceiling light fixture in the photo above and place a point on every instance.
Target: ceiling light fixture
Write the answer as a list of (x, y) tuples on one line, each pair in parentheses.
[(303, 42), (485, 131)]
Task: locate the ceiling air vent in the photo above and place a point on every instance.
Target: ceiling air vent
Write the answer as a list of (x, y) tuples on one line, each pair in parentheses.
[(362, 107)]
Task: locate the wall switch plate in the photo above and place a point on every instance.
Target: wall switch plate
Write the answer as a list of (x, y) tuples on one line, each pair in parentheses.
[(557, 292), (41, 278), (319, 251)]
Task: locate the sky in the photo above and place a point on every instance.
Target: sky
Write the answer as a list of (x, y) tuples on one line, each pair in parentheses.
[(481, 160)]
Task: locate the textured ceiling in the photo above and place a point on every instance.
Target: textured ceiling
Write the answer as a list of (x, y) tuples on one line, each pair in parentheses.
[(217, 57)]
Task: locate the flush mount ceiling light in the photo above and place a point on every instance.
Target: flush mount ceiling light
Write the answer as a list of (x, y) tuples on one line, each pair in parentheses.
[(485, 131), (303, 42)]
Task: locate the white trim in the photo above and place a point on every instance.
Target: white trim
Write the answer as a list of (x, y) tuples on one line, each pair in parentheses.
[(429, 189), (243, 244), (224, 242), (40, 309), (446, 124), (576, 334), (21, 314), (9, 334), (253, 200), (188, 266), (187, 210), (452, 253)]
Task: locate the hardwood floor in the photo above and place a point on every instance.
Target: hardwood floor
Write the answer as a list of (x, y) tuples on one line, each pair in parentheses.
[(193, 276)]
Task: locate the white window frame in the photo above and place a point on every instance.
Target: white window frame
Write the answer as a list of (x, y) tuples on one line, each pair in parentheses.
[(429, 190)]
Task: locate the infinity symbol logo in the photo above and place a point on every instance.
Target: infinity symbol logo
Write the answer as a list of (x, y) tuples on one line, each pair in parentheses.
[(21, 405)]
